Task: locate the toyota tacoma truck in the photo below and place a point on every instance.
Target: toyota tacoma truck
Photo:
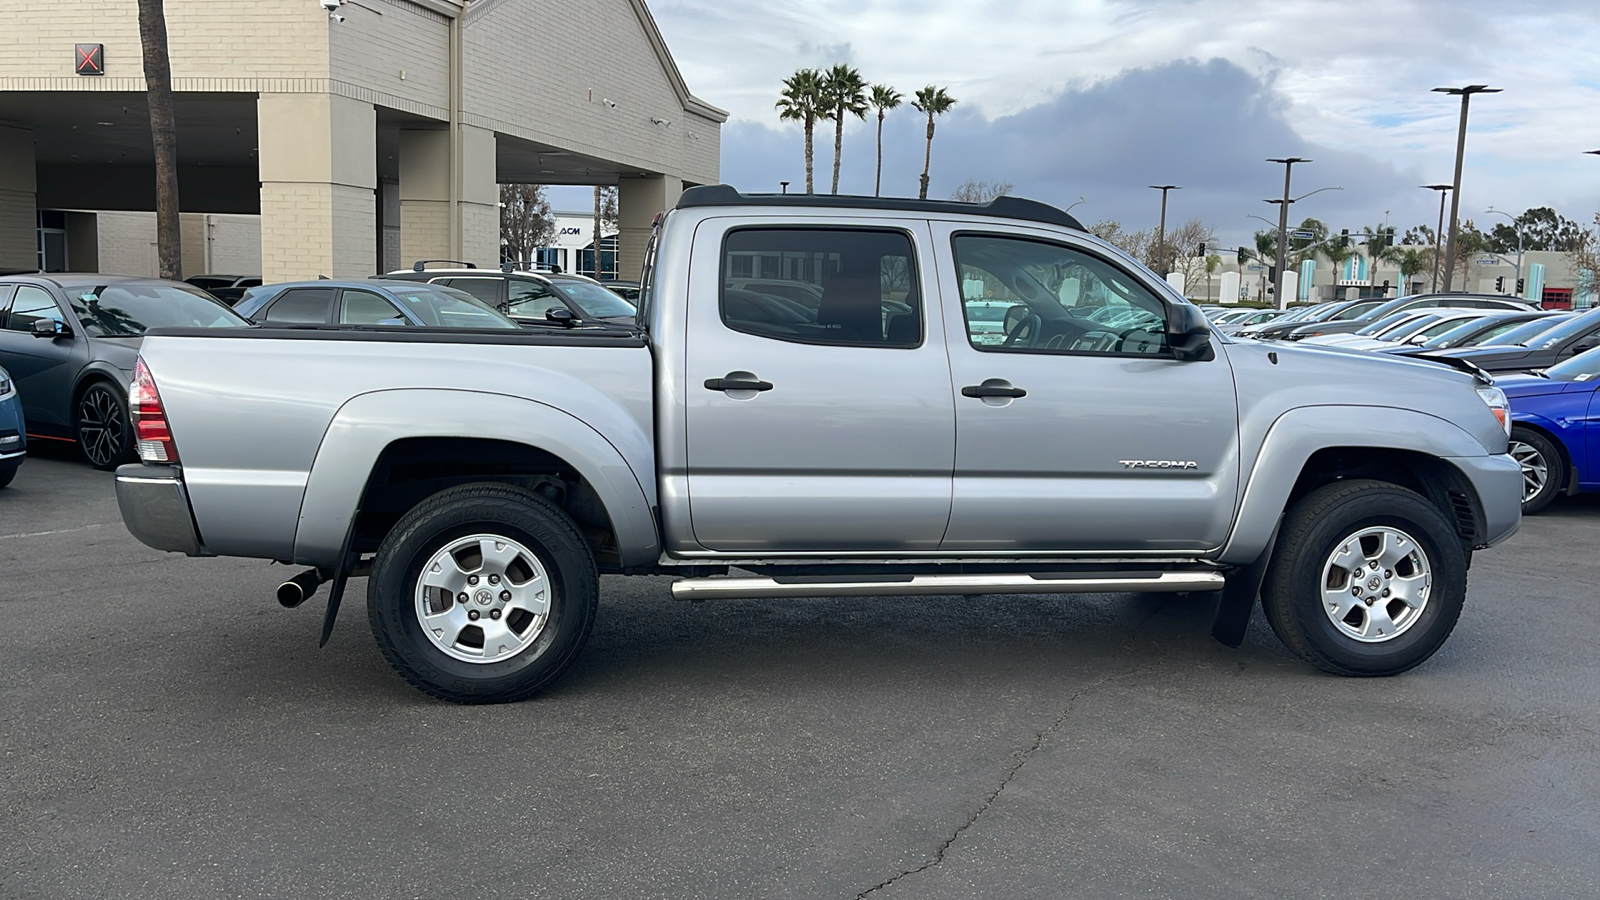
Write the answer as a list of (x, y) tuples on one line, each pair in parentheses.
[(816, 402)]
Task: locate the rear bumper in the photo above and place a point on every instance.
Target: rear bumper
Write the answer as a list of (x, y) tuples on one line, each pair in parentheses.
[(1498, 482), (155, 508)]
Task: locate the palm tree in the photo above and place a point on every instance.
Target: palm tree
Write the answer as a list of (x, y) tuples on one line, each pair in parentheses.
[(1380, 248), (883, 98), (1412, 262), (845, 94), (158, 79), (933, 101), (801, 101)]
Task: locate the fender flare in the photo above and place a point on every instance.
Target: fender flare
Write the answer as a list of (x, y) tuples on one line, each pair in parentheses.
[(368, 423), (1301, 432)]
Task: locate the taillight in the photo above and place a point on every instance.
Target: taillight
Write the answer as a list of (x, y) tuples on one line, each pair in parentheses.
[(149, 419)]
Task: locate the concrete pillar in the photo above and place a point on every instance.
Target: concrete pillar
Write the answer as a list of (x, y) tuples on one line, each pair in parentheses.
[(425, 227), (319, 174), (638, 201), (1230, 288), (19, 213)]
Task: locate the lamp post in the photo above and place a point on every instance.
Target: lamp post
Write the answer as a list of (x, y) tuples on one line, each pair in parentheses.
[(1438, 235), (1465, 93), (1161, 230), (1518, 229), (1283, 226)]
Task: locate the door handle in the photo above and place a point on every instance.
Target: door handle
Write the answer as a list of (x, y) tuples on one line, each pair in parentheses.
[(993, 387), (738, 381)]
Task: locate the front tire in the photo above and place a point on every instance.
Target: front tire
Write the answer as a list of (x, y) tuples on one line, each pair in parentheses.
[(101, 424), (482, 593), (1542, 465), (1367, 579)]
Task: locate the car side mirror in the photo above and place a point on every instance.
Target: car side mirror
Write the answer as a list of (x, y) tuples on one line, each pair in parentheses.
[(561, 316), (1189, 334), (50, 328)]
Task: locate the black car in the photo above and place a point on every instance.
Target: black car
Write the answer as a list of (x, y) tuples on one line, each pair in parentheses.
[(70, 342), (1556, 344), (1338, 311), (1344, 323), (1474, 332), (530, 297)]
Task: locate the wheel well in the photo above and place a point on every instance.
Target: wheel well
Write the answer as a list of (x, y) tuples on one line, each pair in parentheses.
[(412, 469), (1568, 472), (89, 381), (1441, 483)]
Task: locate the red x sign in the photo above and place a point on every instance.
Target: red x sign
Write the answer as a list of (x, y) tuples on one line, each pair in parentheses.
[(91, 59)]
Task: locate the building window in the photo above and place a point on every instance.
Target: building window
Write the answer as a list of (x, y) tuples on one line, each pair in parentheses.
[(52, 240)]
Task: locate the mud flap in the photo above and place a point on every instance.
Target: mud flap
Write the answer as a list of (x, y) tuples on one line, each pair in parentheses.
[(1237, 599), (347, 563)]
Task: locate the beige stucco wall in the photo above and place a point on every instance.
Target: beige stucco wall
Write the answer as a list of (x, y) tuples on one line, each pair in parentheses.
[(19, 237)]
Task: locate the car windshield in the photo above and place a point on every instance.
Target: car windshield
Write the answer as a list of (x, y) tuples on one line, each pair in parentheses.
[(1571, 328), (1322, 313), (449, 308), (1407, 327), (1385, 323), (1527, 331), (1472, 334), (595, 301), (1354, 311), (1583, 367), (130, 309)]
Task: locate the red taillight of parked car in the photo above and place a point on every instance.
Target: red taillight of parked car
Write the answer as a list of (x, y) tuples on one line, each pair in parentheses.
[(149, 419)]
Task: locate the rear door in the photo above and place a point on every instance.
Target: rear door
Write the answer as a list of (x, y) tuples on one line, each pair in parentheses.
[(1077, 429), (816, 430)]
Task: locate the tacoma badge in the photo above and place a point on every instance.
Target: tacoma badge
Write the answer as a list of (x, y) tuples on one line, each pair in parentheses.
[(1159, 464)]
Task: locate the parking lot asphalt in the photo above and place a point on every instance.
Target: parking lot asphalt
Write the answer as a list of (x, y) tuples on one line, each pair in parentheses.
[(169, 731)]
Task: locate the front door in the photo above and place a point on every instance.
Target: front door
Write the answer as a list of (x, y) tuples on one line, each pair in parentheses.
[(825, 428), (1076, 428), (43, 367)]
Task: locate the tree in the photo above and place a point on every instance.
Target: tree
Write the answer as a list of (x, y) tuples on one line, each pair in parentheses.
[(1542, 229), (1181, 247), (526, 222), (1413, 262), (163, 134), (844, 94), (1134, 243), (883, 98), (972, 191), (801, 101), (605, 215), (1379, 244), (1584, 257), (933, 101), (1470, 244)]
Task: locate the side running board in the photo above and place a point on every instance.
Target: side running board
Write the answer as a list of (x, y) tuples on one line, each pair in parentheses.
[(911, 585)]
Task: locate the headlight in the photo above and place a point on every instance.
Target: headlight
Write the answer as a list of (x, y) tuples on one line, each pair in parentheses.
[(1496, 400), (5, 386)]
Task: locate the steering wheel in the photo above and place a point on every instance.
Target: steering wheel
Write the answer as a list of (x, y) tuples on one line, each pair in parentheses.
[(1032, 325), (1099, 341)]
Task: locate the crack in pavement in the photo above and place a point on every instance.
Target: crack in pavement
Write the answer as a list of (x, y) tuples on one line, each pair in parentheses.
[(1021, 758)]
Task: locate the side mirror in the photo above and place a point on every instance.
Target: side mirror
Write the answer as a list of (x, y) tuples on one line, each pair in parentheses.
[(50, 328), (1189, 334), (561, 316)]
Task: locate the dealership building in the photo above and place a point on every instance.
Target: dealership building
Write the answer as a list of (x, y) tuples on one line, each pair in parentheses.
[(335, 144)]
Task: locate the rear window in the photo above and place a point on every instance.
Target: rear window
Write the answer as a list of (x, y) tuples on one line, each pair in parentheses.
[(129, 310)]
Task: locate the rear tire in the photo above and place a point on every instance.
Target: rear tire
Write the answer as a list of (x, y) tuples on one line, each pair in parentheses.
[(1542, 468), (482, 593), (6, 475), (1367, 579)]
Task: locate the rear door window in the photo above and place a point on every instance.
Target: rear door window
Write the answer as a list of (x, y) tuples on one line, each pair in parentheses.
[(301, 306), (367, 308), (485, 289)]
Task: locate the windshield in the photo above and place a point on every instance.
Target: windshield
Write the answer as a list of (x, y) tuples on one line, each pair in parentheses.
[(1355, 311), (595, 301), (129, 310), (449, 308), (1385, 323), (1583, 367), (1471, 334), (1571, 328), (1525, 332), (1407, 327)]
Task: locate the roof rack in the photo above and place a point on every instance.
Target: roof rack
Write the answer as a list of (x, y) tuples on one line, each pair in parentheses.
[(421, 265), (1000, 207)]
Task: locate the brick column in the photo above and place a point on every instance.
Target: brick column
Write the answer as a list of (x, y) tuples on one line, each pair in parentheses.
[(638, 201), (19, 214), (319, 176), (425, 197)]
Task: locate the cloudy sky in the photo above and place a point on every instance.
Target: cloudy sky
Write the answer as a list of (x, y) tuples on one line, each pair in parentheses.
[(1098, 98)]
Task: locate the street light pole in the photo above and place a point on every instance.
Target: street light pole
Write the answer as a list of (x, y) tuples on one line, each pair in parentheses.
[(1161, 230), (1438, 235), (1518, 229), (1283, 228), (1465, 93)]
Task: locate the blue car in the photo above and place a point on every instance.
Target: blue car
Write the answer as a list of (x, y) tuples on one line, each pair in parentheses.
[(1555, 428), (13, 436)]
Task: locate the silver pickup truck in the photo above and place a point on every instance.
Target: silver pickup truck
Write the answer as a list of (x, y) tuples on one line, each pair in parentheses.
[(817, 402)]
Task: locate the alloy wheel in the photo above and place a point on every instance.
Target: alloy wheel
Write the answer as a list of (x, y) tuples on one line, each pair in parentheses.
[(483, 598), (1375, 584), (1535, 468), (102, 427)]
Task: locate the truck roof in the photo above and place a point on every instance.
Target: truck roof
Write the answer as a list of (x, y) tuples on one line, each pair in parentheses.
[(1000, 207)]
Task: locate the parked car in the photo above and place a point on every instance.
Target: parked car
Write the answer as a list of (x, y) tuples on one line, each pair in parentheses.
[(70, 342), (1382, 326), (1474, 331), (1336, 312), (530, 297), (1344, 324), (1413, 331), (627, 290), (481, 486), (13, 430), (1555, 430), (1254, 318), (369, 301), (1555, 344)]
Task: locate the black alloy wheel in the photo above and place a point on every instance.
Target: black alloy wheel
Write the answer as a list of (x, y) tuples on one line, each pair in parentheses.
[(102, 427)]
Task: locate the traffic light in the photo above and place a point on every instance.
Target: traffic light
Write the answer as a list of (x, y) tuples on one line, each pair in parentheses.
[(1202, 250), (1500, 284), (1243, 256), (1520, 287), (1344, 237)]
